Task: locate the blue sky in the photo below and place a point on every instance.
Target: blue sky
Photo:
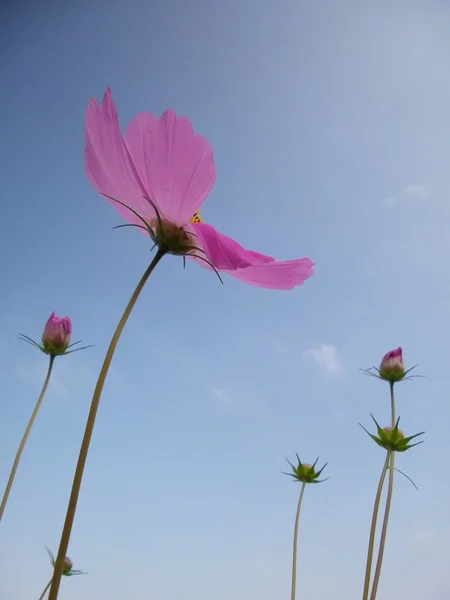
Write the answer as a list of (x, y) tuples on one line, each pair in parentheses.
[(329, 123)]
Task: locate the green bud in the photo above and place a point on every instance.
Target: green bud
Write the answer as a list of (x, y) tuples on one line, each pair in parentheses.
[(305, 472), (392, 438), (68, 570)]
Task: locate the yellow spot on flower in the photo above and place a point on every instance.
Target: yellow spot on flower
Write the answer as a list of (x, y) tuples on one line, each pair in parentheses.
[(196, 218)]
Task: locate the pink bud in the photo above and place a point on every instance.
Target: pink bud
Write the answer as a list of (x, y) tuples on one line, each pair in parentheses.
[(56, 336), (392, 368), (68, 564)]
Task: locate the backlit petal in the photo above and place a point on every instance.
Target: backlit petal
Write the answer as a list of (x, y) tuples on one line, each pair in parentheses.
[(223, 252), (277, 275), (174, 163), (109, 166)]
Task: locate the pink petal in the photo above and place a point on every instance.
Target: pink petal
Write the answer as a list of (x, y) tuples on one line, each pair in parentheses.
[(109, 166), (174, 163), (223, 252), (277, 275)]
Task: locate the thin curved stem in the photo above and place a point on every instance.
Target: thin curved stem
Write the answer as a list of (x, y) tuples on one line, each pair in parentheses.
[(373, 526), (294, 552), (391, 388), (72, 506), (25, 437), (44, 591), (387, 509)]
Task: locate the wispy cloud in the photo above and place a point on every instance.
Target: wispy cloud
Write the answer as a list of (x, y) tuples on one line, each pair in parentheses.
[(221, 396), (325, 356), (410, 192), (420, 191), (231, 402)]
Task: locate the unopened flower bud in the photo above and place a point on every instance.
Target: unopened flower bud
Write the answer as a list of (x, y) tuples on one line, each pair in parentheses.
[(68, 564), (389, 430), (305, 472), (391, 367), (57, 333), (392, 438), (67, 570)]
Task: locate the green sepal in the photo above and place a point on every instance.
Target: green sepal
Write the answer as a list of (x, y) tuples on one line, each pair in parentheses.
[(392, 441), (303, 474)]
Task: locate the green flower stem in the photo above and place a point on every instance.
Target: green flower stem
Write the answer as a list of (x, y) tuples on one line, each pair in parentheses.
[(294, 552), (44, 591), (25, 437), (71, 509), (391, 387), (387, 508), (376, 509)]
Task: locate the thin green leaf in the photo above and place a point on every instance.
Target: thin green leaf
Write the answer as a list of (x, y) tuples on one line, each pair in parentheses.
[(405, 475), (52, 558), (78, 349), (25, 338), (131, 225), (130, 209)]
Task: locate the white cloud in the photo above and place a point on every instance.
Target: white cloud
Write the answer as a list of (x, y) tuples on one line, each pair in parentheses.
[(420, 191), (410, 192), (231, 403), (220, 395), (325, 356)]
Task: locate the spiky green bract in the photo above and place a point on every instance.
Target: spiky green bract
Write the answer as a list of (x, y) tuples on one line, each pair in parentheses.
[(392, 438), (305, 472), (393, 377), (49, 349)]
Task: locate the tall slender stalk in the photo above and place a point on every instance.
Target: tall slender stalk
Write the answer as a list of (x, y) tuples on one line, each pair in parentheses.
[(376, 577), (376, 508), (44, 591), (391, 389), (25, 437), (72, 506), (294, 552)]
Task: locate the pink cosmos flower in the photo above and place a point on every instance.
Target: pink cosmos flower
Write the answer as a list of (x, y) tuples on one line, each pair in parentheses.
[(57, 333), (392, 367), (163, 171)]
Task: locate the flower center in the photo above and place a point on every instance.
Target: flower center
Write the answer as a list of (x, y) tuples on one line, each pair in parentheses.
[(172, 238)]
